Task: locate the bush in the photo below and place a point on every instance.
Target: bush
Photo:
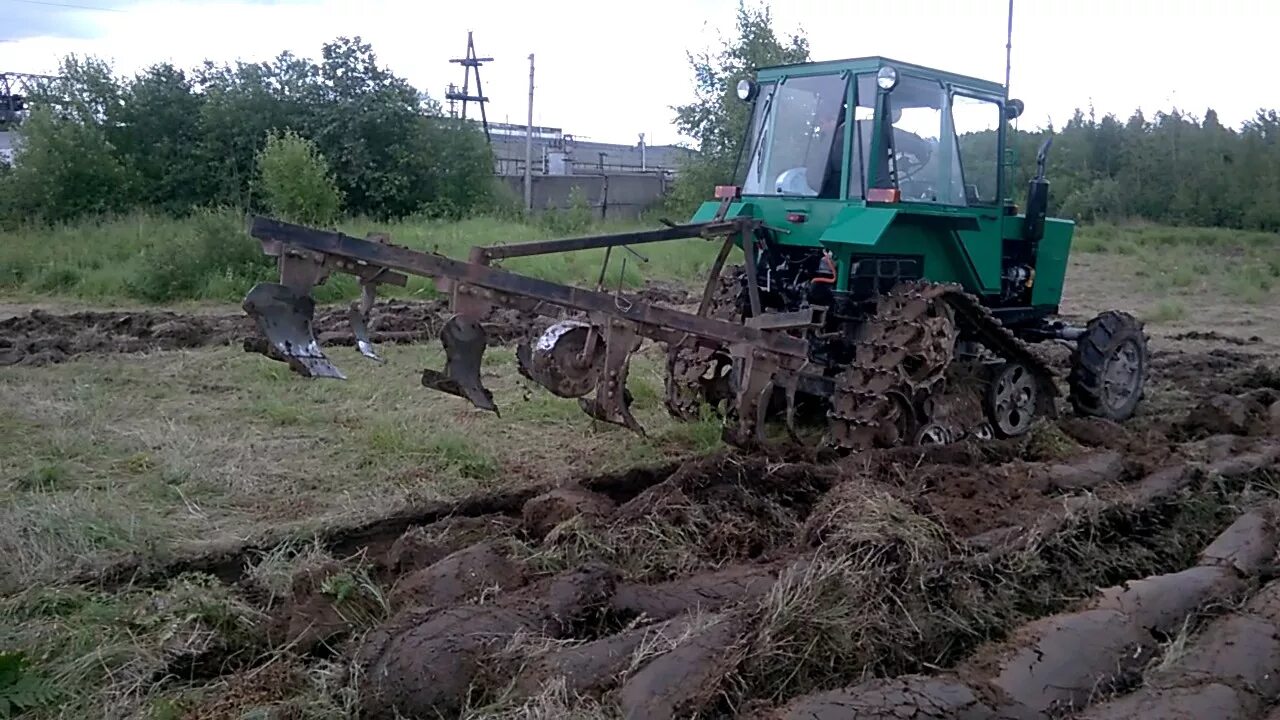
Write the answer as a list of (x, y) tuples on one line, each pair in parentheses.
[(294, 181), (63, 170), (217, 260)]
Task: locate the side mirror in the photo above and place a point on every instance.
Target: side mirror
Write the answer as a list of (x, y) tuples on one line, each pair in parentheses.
[(1013, 109)]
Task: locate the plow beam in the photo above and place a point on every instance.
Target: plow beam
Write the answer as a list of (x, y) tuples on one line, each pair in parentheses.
[(572, 362), (477, 285)]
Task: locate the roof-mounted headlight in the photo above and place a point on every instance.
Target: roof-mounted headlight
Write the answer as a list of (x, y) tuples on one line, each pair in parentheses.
[(746, 90), (887, 78)]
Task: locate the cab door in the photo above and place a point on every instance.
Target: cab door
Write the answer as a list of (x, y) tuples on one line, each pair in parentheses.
[(978, 124)]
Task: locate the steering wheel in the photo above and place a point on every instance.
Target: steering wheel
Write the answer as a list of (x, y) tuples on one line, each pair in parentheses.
[(910, 153)]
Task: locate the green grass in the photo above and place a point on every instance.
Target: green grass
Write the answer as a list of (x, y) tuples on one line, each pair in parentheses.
[(210, 256), (1165, 311), (149, 455), (1240, 265)]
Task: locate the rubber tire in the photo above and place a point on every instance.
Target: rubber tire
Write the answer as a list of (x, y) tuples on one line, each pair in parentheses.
[(1102, 336)]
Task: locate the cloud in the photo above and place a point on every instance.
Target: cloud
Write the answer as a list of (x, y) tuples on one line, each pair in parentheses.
[(76, 19), (25, 20)]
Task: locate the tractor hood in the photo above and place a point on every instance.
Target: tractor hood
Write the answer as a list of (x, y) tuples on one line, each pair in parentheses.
[(852, 225), (858, 225)]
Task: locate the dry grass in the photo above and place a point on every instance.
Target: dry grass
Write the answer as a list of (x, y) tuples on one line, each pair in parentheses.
[(553, 702), (154, 454)]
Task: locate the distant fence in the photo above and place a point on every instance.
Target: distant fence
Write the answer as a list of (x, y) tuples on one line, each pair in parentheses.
[(610, 196)]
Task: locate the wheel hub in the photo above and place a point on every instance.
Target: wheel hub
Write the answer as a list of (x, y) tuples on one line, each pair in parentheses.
[(1012, 399), (1121, 374)]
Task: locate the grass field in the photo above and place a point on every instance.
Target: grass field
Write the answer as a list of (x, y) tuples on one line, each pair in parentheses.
[(209, 257)]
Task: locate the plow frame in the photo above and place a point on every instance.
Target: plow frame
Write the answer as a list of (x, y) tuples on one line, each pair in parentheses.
[(765, 356)]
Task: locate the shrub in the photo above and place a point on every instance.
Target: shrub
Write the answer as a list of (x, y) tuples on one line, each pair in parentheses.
[(294, 180), (217, 259), (63, 170)]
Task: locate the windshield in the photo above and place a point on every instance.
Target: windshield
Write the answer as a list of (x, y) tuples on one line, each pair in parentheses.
[(798, 138), (924, 147)]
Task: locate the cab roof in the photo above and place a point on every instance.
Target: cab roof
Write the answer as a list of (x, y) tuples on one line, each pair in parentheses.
[(874, 63)]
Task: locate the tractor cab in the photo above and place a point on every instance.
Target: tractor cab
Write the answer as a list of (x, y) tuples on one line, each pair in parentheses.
[(875, 130)]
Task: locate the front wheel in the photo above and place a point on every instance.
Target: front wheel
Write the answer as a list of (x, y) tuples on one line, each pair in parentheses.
[(1109, 367)]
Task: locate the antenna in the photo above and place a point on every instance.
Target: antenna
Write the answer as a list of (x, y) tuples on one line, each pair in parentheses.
[(1008, 51), (469, 63)]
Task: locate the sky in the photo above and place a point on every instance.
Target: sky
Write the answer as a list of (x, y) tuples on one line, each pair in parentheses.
[(608, 71)]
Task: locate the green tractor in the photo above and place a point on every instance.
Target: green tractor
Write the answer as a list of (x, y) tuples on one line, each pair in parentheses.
[(887, 280), (883, 195)]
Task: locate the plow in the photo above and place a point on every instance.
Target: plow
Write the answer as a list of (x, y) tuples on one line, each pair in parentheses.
[(883, 282)]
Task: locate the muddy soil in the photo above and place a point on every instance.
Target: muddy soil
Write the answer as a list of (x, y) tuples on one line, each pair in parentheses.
[(741, 584), (42, 338), (956, 581)]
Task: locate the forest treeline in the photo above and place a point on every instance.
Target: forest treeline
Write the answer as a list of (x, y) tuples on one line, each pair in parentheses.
[(168, 140), (1169, 167), (1172, 168)]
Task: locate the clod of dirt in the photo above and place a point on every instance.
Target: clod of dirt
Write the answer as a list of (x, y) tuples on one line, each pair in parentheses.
[(1161, 602), (972, 501), (1227, 670), (1056, 662), (1261, 457), (911, 696), (707, 591), (1082, 473), (596, 666), (459, 578), (1095, 432), (428, 544), (321, 607), (1239, 650), (1249, 542), (1225, 414), (1273, 419), (422, 663), (684, 679), (1215, 700), (549, 509)]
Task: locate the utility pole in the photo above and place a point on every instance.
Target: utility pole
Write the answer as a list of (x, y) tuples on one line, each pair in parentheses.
[(528, 146), (1008, 51)]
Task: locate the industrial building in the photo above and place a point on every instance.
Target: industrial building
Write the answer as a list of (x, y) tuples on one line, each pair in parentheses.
[(558, 153)]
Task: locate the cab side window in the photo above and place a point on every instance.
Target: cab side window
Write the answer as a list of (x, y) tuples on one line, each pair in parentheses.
[(977, 125)]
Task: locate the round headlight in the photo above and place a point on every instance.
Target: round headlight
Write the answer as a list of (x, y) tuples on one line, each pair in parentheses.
[(746, 90), (887, 78)]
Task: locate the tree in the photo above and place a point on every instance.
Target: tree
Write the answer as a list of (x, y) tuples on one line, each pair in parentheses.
[(716, 119), (156, 130), (294, 180)]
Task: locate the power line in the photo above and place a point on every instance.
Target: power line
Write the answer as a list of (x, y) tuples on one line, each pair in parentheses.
[(68, 5)]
